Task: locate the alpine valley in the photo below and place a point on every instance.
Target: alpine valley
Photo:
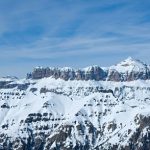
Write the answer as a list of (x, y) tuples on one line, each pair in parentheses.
[(94, 108)]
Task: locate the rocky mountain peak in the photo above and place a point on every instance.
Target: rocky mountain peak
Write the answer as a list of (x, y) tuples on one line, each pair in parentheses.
[(131, 62)]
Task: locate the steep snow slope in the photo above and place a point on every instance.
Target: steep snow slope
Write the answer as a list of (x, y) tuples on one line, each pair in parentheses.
[(51, 113)]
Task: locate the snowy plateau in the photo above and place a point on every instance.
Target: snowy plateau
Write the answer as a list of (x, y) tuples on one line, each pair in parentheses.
[(93, 108)]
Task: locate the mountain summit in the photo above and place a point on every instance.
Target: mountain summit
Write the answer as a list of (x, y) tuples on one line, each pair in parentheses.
[(130, 65), (84, 109), (131, 62)]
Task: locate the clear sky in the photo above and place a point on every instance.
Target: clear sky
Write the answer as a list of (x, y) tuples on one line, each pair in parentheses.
[(75, 33)]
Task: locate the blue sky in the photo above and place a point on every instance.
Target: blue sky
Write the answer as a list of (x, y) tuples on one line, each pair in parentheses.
[(75, 33)]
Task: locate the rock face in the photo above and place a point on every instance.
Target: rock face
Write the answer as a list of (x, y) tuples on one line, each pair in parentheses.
[(88, 109), (91, 73), (127, 70)]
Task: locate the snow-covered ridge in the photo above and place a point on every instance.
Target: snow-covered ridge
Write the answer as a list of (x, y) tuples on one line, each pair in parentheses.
[(128, 70)]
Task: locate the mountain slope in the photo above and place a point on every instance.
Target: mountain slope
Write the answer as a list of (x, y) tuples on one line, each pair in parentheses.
[(50, 113)]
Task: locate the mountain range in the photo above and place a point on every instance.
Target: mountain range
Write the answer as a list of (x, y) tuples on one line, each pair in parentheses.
[(94, 108)]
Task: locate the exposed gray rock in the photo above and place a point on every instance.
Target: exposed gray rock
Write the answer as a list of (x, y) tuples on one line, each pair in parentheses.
[(114, 76), (95, 73), (91, 73)]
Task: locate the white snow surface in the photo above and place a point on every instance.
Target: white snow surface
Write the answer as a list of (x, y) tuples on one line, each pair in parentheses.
[(75, 95)]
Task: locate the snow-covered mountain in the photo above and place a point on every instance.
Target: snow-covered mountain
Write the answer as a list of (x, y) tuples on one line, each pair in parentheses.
[(127, 70), (85, 109)]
